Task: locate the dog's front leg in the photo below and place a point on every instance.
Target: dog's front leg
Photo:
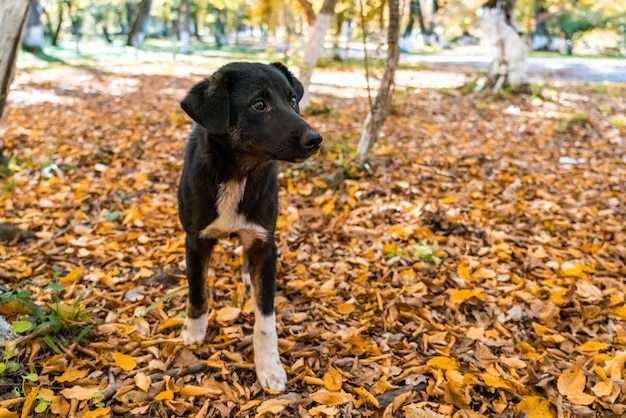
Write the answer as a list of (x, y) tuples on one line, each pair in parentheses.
[(198, 253), (261, 257)]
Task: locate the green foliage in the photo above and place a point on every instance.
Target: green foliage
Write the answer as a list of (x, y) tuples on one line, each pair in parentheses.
[(56, 321)]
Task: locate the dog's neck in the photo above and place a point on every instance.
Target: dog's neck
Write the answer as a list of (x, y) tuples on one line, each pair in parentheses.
[(231, 163)]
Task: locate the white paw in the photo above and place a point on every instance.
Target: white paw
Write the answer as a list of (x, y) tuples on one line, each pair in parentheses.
[(271, 374), (194, 329), (269, 371)]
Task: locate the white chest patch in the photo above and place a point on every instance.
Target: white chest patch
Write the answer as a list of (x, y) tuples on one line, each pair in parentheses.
[(229, 220)]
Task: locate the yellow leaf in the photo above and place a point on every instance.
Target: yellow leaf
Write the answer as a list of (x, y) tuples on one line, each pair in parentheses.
[(166, 395), (458, 296), (591, 346), (463, 272), (602, 388), (328, 208), (346, 308), (81, 393), (191, 390), (620, 311), (557, 296), (494, 381), (332, 379), (124, 361), (448, 200), (571, 382), (25, 273), (331, 398), (71, 375), (143, 272), (29, 400), (311, 380), (368, 397), (143, 381), (534, 407), (581, 399), (97, 413), (443, 363), (484, 273), (576, 271), (415, 411), (273, 406), (171, 323), (72, 276), (615, 366), (228, 314), (5, 413)]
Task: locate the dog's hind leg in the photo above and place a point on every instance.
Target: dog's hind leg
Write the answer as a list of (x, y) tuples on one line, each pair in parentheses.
[(245, 271), (262, 264), (198, 253)]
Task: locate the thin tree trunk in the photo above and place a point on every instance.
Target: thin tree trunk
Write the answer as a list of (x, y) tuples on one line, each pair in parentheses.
[(374, 121), (314, 47), (13, 17), (136, 35), (57, 30), (185, 33), (33, 35)]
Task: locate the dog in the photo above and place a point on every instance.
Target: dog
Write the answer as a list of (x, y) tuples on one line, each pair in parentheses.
[(246, 119)]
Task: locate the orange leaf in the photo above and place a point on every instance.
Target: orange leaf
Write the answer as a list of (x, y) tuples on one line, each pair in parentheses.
[(332, 379), (273, 406), (592, 346), (534, 407), (71, 375), (572, 381), (81, 393), (124, 361), (443, 363), (331, 398)]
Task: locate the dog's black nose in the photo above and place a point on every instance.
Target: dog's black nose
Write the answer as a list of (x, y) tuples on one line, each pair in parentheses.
[(311, 140)]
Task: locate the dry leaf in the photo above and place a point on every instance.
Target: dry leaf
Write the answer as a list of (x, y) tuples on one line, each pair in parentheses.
[(572, 381), (535, 407), (143, 381), (124, 361), (331, 398), (272, 406), (332, 379), (81, 393), (228, 314), (71, 375)]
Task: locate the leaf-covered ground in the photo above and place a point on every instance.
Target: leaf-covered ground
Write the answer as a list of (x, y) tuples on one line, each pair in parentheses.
[(477, 270)]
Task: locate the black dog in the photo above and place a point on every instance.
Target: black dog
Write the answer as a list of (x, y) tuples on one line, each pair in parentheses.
[(247, 118)]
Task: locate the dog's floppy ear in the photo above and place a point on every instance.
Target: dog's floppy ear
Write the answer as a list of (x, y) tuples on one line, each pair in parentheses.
[(297, 85), (207, 104)]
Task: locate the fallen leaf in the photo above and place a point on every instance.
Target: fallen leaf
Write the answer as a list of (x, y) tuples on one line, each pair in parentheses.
[(331, 398), (81, 393), (332, 380), (124, 361), (534, 407), (272, 406)]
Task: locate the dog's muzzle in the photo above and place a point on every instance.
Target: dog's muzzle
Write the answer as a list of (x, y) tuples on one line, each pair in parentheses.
[(311, 141)]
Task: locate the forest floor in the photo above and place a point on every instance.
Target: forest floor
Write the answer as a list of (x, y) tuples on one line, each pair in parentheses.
[(476, 270)]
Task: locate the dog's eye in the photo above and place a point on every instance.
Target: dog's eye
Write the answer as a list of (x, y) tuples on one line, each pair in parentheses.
[(293, 101), (259, 105)]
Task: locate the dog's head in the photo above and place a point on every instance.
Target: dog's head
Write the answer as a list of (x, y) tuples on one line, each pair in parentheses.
[(254, 107)]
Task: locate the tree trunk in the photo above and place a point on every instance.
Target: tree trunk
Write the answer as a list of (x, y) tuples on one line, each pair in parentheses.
[(137, 31), (13, 17), (57, 30), (185, 33), (33, 35), (314, 47), (376, 117)]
